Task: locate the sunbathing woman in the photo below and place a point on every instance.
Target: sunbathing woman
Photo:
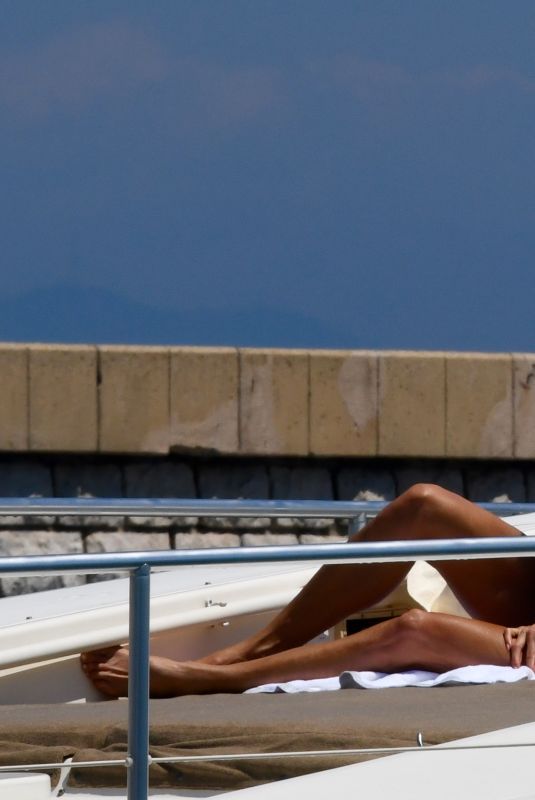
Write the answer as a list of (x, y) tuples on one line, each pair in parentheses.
[(498, 593)]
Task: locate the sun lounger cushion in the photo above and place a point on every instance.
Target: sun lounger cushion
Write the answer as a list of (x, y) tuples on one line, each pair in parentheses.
[(256, 723)]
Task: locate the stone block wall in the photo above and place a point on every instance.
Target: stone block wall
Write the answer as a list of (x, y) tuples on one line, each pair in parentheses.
[(229, 477)]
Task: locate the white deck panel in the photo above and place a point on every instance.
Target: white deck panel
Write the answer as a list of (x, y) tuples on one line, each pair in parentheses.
[(65, 621), (524, 523), (60, 602), (20, 786)]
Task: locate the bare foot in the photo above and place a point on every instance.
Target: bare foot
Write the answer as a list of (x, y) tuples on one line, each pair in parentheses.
[(107, 669)]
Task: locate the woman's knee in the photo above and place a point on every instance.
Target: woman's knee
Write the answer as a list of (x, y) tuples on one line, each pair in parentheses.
[(424, 499), (413, 624), (410, 638), (424, 641)]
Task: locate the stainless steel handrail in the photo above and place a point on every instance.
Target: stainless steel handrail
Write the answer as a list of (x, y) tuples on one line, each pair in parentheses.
[(139, 565), (336, 509), (215, 757)]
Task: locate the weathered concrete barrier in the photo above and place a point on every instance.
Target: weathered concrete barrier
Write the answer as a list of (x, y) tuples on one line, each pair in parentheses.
[(156, 400)]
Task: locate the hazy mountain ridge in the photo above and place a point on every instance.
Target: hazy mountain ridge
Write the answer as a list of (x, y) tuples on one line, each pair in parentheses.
[(75, 314)]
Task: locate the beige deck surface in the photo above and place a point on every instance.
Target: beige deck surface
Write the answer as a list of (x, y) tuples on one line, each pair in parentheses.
[(257, 723)]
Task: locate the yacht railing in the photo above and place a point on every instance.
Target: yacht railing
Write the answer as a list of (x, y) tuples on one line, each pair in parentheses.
[(336, 509), (140, 564)]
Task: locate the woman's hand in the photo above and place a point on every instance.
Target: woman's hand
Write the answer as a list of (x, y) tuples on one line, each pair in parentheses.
[(521, 645)]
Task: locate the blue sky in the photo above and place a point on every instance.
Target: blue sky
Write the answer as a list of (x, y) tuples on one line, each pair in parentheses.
[(267, 173)]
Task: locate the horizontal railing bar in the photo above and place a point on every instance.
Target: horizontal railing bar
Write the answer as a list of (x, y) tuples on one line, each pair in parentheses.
[(115, 762), (349, 752), (352, 552), (125, 762), (81, 506)]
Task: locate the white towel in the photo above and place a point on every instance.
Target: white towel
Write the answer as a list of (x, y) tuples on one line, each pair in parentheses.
[(482, 673)]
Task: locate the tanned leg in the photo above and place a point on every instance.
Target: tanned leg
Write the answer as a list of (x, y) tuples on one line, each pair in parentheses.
[(437, 642), (499, 591)]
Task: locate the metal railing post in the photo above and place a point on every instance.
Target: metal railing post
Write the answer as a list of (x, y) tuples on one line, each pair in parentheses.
[(356, 524), (138, 684)]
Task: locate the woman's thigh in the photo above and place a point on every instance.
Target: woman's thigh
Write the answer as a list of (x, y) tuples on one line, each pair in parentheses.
[(499, 590)]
